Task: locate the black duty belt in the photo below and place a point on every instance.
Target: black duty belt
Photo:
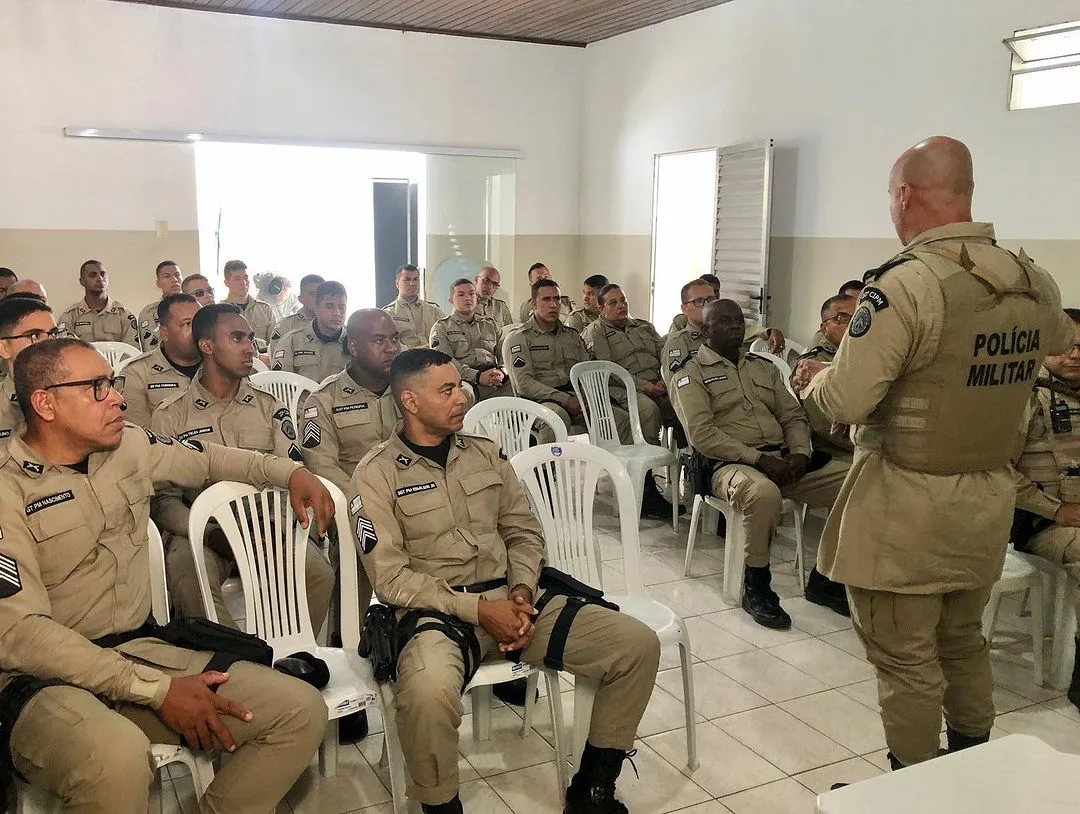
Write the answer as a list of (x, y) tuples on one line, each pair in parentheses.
[(772, 448), (147, 630), (480, 587)]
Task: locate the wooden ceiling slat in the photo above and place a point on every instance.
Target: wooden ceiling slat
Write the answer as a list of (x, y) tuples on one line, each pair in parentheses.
[(571, 22)]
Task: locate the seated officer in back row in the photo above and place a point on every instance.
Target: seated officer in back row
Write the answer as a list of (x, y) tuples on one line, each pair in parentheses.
[(167, 277), (97, 317), (581, 318), (413, 316), (836, 314), (309, 286), (445, 530), (167, 370), (316, 350), (487, 304), (472, 342), (222, 407), (24, 321), (85, 681), (1047, 516), (738, 413), (540, 354)]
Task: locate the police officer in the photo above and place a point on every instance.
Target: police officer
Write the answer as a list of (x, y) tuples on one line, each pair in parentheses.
[(540, 354), (24, 321), (95, 690), (1047, 517), (538, 271), (167, 370), (316, 351), (222, 407), (168, 280), (851, 289), (487, 304), (29, 288), (97, 317), (302, 318), (935, 372), (8, 278), (259, 315), (472, 341), (836, 314), (198, 287), (581, 318), (414, 317), (738, 412), (444, 526)]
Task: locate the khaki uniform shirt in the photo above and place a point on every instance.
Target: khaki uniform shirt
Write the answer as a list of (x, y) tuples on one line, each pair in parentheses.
[(473, 344), (150, 379), (113, 323), (566, 308), (254, 421), (732, 410), (340, 423), (414, 321), (1045, 454), (494, 308), (421, 528), (828, 435), (305, 352), (679, 346), (74, 563), (261, 318), (539, 361), (148, 326), (580, 319), (11, 415), (636, 346), (285, 326), (898, 529)]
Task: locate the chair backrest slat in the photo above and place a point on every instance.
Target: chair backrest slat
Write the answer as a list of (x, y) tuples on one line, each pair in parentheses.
[(592, 384), (288, 388), (510, 422)]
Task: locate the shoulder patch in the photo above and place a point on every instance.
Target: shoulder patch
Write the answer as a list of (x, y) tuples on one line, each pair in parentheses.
[(355, 505), (281, 412), (287, 429), (312, 434), (515, 348), (294, 452), (279, 354), (365, 535), (519, 362), (192, 445), (860, 323), (875, 297), (685, 380), (10, 583)]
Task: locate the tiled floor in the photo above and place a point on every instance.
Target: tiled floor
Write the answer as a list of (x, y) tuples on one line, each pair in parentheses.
[(782, 715)]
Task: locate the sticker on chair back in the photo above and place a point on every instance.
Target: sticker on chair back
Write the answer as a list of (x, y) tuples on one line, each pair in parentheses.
[(556, 451)]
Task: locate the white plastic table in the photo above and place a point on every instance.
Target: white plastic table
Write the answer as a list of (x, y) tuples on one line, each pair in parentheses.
[(1016, 774)]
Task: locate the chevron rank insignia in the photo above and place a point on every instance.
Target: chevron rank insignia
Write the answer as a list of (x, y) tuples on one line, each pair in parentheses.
[(365, 535), (312, 434), (10, 584)]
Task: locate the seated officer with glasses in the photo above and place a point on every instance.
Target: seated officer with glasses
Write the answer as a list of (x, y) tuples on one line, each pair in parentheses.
[(24, 321), (836, 313), (87, 680)]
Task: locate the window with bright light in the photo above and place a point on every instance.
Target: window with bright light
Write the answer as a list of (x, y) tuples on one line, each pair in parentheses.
[(1045, 66)]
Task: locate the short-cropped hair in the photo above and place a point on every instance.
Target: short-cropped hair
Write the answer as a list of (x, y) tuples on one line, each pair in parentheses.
[(14, 309), (329, 288), (686, 288), (40, 366), (536, 287), (596, 281), (206, 319), (460, 281), (311, 279), (405, 267), (168, 302), (233, 265), (410, 362), (829, 303)]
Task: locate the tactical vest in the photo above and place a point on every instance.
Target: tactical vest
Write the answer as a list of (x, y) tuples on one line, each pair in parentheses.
[(1046, 460), (960, 412)]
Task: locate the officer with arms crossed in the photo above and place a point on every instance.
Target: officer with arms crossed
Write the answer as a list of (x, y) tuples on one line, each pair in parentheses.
[(739, 414), (445, 529), (309, 285), (259, 315), (1047, 517), (935, 372), (472, 341), (87, 684), (167, 278), (165, 371), (836, 314), (414, 317), (316, 350), (97, 317), (24, 321), (222, 407), (581, 318), (487, 304)]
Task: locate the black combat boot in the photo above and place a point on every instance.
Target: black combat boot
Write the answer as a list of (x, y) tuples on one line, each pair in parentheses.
[(352, 728), (512, 692), (761, 601), (653, 503), (823, 591), (1074, 686), (592, 790), (957, 741), (449, 807)]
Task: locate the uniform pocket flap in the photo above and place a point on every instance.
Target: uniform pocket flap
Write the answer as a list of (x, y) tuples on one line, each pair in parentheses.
[(471, 484), (255, 440), (47, 521), (136, 489), (344, 417), (420, 502)]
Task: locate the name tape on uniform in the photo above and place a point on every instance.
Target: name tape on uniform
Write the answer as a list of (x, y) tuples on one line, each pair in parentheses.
[(49, 500), (162, 385), (415, 488), (186, 434), (350, 408), (712, 379)]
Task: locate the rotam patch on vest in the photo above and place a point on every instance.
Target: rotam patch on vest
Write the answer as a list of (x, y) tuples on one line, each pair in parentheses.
[(50, 500), (415, 488)]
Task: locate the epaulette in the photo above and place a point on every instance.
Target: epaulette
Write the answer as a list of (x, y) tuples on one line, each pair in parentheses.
[(759, 358), (1056, 387), (875, 274), (811, 352), (372, 453)]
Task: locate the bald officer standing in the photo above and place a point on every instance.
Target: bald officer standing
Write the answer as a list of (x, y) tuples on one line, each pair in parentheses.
[(935, 372), (85, 681)]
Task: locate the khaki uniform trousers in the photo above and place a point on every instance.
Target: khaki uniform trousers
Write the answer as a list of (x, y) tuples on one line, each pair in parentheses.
[(97, 758), (183, 582), (619, 651), (929, 653), (758, 500), (1060, 545)]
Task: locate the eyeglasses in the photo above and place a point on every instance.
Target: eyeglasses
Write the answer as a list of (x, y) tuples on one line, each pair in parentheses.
[(102, 385), (202, 292), (701, 302), (840, 319), (489, 281), (36, 335)]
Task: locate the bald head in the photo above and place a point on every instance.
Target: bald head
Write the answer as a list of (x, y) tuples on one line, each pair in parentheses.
[(28, 287), (372, 342), (723, 324), (931, 185)]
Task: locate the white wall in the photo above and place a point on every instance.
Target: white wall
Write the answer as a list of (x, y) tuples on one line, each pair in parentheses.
[(103, 64)]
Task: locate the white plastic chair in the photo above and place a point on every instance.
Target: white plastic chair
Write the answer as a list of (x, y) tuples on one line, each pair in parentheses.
[(1019, 573), (259, 366), (33, 800), (116, 352), (270, 549), (286, 387), (510, 422), (561, 481), (592, 385), (791, 347)]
